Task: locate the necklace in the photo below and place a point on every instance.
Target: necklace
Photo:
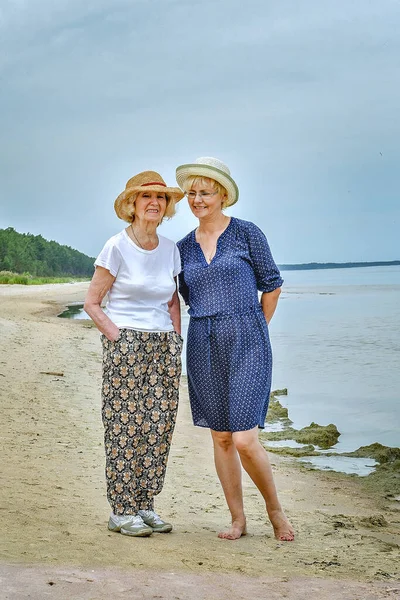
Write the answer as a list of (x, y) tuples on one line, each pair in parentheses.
[(211, 255), (134, 235), (136, 238), (204, 237), (208, 252)]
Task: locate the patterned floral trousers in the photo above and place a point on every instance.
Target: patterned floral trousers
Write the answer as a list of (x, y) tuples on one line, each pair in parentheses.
[(140, 391)]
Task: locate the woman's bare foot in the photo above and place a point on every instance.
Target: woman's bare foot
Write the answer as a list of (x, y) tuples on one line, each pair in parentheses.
[(235, 531), (283, 530)]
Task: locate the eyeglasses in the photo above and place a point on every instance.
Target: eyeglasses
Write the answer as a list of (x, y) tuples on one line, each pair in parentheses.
[(201, 195)]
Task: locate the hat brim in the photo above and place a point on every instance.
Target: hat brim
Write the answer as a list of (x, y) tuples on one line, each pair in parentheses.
[(121, 204), (183, 172)]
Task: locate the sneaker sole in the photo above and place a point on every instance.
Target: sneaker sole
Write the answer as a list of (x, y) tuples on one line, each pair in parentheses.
[(165, 529), (140, 533)]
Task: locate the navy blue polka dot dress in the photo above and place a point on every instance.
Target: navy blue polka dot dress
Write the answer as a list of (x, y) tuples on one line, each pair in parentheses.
[(229, 359)]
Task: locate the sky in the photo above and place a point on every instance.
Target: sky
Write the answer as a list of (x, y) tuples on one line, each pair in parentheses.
[(300, 99)]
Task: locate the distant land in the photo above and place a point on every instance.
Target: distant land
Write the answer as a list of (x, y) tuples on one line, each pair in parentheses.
[(347, 265), (27, 253)]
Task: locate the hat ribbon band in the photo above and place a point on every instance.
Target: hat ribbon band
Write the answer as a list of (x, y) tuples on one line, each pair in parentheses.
[(154, 183)]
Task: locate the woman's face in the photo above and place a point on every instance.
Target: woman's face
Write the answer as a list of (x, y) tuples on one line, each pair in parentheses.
[(150, 206), (204, 200)]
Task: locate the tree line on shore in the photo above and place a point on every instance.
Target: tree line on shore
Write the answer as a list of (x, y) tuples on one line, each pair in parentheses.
[(28, 253), (345, 265), (32, 254)]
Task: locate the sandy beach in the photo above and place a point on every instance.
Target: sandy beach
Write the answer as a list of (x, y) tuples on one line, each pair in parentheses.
[(54, 539)]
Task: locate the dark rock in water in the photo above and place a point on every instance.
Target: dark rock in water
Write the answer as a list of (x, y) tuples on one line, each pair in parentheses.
[(282, 392), (382, 454), (386, 478), (277, 436), (276, 411), (324, 436), (295, 452)]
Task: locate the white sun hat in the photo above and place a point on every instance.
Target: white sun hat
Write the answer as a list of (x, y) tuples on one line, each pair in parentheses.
[(210, 167)]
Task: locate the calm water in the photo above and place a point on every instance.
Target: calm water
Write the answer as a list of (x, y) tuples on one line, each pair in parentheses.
[(74, 311), (336, 343)]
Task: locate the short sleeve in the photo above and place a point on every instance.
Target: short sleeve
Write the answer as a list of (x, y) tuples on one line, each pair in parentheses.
[(267, 274), (109, 258), (177, 261)]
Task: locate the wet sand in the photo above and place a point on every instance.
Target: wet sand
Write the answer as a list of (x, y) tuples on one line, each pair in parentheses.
[(54, 511)]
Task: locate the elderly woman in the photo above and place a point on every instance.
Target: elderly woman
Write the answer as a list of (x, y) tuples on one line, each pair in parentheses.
[(225, 262), (141, 352)]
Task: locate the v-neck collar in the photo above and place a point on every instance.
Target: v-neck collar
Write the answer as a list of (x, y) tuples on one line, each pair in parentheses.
[(218, 240)]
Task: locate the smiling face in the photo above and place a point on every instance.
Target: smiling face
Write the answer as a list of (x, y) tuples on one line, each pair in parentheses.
[(150, 207), (205, 200)]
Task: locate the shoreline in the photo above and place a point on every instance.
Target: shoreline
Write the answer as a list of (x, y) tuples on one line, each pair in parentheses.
[(319, 441), (52, 491)]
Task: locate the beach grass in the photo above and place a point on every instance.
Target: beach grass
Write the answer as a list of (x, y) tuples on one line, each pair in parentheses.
[(10, 278)]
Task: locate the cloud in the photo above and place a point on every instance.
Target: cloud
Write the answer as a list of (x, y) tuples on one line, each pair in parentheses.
[(300, 99)]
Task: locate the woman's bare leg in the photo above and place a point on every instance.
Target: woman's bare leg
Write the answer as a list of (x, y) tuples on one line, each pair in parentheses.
[(255, 461), (229, 471)]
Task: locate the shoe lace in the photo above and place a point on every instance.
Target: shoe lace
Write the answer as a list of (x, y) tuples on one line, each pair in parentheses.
[(134, 519), (137, 520), (150, 514)]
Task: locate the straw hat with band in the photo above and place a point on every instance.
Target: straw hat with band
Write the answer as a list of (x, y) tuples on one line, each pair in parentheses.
[(148, 181), (206, 166)]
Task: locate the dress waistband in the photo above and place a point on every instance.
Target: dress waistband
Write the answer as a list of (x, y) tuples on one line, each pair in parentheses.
[(210, 320), (252, 310)]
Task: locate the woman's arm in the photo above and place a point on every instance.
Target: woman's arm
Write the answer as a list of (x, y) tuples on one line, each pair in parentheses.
[(99, 286), (269, 300), (174, 309)]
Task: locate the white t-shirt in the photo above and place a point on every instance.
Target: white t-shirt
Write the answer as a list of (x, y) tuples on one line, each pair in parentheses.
[(144, 284)]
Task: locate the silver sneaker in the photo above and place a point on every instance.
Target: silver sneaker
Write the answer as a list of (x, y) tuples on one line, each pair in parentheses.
[(153, 520), (129, 525)]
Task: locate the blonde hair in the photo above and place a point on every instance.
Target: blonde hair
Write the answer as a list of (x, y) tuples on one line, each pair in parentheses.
[(170, 208), (193, 179)]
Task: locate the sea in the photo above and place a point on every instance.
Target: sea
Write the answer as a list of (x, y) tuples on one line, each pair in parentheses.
[(336, 347)]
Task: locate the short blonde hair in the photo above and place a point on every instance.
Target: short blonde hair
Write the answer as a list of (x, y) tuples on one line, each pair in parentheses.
[(190, 181), (170, 209)]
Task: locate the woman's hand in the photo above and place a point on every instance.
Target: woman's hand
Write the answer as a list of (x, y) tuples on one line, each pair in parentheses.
[(174, 309), (269, 300), (114, 334)]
